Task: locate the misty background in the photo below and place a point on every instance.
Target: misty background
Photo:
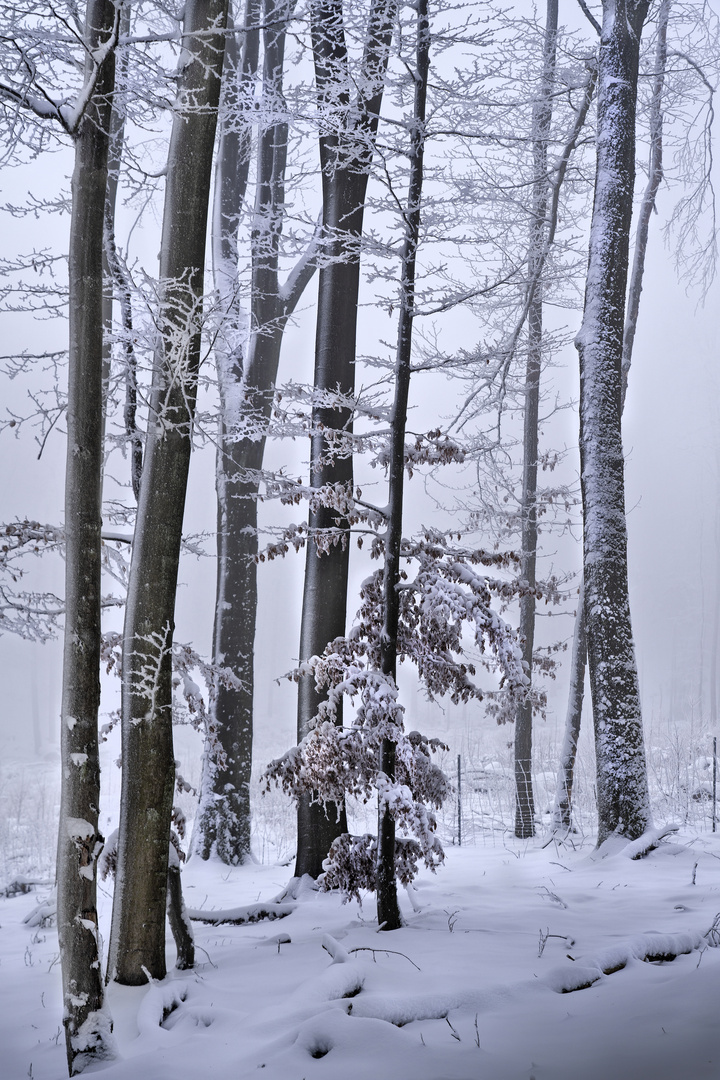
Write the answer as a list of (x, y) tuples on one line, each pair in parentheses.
[(672, 447)]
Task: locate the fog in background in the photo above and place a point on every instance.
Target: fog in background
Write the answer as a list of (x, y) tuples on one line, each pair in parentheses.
[(672, 446)]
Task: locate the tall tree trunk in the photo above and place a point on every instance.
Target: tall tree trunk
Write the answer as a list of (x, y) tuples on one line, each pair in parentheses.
[(247, 393), (116, 135), (623, 805), (562, 809), (346, 151), (542, 117), (562, 812), (223, 821), (87, 1028), (137, 947), (115, 276), (389, 917)]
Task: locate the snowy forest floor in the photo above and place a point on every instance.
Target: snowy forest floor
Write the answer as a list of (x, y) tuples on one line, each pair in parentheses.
[(478, 986)]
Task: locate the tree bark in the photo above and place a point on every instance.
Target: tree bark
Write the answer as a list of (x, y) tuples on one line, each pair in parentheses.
[(346, 151), (389, 917), (623, 806), (223, 821), (87, 1027), (562, 812), (247, 390), (116, 277), (542, 117), (137, 947)]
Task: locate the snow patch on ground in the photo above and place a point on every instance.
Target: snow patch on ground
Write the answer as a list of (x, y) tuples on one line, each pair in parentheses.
[(520, 961)]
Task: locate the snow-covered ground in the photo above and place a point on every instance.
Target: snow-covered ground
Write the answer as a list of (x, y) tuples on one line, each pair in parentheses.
[(475, 986)]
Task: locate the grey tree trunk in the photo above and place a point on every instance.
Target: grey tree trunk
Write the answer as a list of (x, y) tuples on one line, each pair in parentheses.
[(542, 117), (347, 144), (562, 811), (223, 821), (115, 277), (225, 811), (87, 1027), (388, 911), (137, 946), (623, 805)]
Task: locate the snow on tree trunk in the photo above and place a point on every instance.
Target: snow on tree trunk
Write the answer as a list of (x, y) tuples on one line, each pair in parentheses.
[(87, 1026), (223, 819), (346, 150), (137, 946), (542, 117), (388, 911), (562, 813), (623, 806), (562, 809), (247, 393)]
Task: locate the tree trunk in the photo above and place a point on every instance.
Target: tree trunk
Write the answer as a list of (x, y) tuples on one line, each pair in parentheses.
[(87, 1027), (623, 805), (542, 117), (389, 917), (562, 813), (225, 811), (116, 277), (116, 136), (562, 810), (178, 917), (137, 947), (346, 150), (223, 820)]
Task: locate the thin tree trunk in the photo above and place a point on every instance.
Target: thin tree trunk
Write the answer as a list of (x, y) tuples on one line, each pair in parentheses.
[(562, 812), (137, 947), (715, 646), (345, 159), (223, 821), (225, 810), (117, 135), (178, 918), (623, 804), (388, 911), (87, 1026), (542, 117), (116, 277)]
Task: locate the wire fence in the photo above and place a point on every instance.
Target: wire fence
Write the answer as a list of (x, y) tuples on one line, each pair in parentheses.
[(682, 774)]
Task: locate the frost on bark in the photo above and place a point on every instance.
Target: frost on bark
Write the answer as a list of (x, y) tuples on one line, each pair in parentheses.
[(223, 820), (347, 141), (137, 945), (87, 1026), (388, 911), (247, 386), (416, 613), (562, 811), (542, 117), (623, 806)]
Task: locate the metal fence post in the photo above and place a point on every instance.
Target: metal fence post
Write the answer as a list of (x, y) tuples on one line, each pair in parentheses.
[(459, 790), (714, 781)]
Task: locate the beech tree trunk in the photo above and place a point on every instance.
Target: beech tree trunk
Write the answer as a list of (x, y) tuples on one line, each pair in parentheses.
[(347, 144), (223, 821), (542, 117), (137, 946), (562, 812), (389, 917), (87, 1027), (623, 806), (247, 388)]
